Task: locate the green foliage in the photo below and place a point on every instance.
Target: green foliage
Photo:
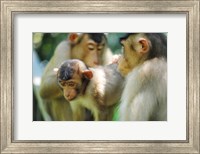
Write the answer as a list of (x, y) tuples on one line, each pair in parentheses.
[(45, 43), (116, 113), (114, 43)]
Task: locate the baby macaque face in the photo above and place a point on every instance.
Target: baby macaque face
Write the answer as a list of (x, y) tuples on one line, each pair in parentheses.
[(70, 89), (70, 78)]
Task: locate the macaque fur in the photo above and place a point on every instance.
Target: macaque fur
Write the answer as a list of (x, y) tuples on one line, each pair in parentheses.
[(97, 89), (88, 47), (144, 66)]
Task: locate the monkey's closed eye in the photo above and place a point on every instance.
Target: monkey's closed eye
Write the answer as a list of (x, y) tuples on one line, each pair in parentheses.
[(100, 47), (90, 47)]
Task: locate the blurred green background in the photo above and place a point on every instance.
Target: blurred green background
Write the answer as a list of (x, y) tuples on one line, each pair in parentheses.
[(44, 45)]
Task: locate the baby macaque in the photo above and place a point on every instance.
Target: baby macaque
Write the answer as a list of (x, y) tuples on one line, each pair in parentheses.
[(97, 89)]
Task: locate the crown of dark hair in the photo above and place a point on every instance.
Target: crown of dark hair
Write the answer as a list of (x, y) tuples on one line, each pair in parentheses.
[(97, 37), (66, 72)]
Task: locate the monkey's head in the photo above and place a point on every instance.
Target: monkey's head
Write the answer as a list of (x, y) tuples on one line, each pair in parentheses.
[(88, 47), (139, 47), (71, 77)]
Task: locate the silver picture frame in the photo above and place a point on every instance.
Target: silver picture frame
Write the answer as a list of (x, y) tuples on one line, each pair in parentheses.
[(9, 8)]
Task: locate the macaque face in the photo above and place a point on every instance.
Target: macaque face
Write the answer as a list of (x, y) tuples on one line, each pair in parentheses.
[(70, 81), (135, 51), (70, 89), (70, 78), (89, 51)]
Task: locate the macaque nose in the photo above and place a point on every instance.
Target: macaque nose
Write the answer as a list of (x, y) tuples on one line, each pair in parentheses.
[(68, 96)]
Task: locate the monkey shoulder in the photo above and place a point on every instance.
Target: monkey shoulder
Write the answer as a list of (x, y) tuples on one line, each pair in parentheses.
[(62, 51), (150, 71), (115, 81), (150, 75), (98, 76), (98, 82), (109, 85)]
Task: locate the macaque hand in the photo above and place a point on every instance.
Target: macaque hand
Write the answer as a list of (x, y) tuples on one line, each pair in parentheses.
[(115, 59)]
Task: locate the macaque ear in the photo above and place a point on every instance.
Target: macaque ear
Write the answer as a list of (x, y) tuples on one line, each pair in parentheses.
[(145, 45), (73, 37), (88, 74)]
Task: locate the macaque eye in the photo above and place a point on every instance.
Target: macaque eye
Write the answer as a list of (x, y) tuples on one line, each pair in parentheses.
[(90, 47), (100, 48), (62, 83), (71, 84)]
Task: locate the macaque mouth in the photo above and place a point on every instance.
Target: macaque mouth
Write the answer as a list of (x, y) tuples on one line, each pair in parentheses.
[(71, 98)]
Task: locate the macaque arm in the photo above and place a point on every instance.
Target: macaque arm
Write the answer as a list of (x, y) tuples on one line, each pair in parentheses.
[(142, 106), (96, 115), (49, 88), (138, 102), (150, 95), (78, 111)]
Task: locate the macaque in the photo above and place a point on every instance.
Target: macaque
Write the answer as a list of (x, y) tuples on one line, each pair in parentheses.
[(97, 89), (144, 66), (91, 48)]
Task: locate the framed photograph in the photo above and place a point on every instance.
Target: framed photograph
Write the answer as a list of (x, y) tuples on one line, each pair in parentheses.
[(30, 28)]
